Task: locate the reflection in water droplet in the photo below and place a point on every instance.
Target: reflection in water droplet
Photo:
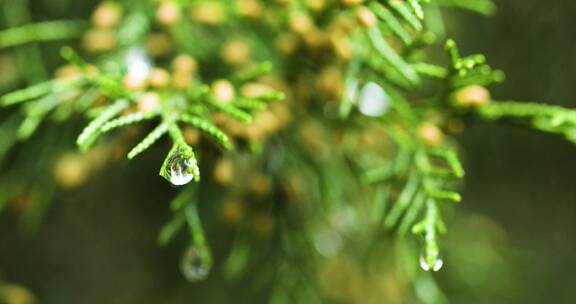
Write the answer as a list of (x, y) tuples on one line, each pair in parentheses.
[(373, 101), (195, 264), (431, 264), (181, 170)]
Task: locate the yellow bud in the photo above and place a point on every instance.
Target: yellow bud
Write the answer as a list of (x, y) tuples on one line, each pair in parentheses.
[(301, 23), (250, 8), (316, 5), (365, 17), (107, 15), (430, 134), (99, 40), (168, 13), (236, 52), (472, 96), (223, 90), (158, 78), (209, 12), (67, 72), (184, 63), (148, 102)]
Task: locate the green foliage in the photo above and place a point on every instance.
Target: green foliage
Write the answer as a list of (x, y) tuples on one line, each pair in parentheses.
[(470, 70), (128, 120), (415, 178), (206, 126), (37, 91), (149, 140), (108, 119), (93, 129), (547, 118), (44, 31)]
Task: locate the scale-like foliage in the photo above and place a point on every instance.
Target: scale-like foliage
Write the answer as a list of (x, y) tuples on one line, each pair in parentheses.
[(370, 55)]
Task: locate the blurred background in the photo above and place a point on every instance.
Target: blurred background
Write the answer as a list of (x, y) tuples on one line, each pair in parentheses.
[(511, 240)]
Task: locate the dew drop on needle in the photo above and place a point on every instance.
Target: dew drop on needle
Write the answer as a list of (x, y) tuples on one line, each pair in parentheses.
[(195, 264)]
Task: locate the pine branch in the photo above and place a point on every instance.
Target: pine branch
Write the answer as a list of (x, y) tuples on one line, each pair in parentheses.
[(406, 13), (546, 118), (128, 120), (197, 260), (209, 128), (391, 57), (41, 32), (149, 140), (92, 130), (37, 91)]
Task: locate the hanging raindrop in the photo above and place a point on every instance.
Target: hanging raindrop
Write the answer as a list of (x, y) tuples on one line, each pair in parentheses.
[(429, 264), (181, 169), (195, 264), (373, 100)]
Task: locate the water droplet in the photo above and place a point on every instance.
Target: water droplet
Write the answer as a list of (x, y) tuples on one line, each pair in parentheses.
[(138, 63), (328, 242), (431, 263), (195, 264), (373, 101), (181, 169)]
